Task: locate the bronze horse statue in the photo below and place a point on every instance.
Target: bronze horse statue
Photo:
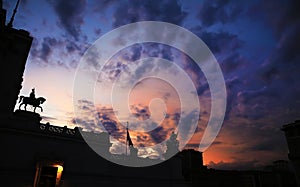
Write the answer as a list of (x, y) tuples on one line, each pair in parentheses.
[(35, 102)]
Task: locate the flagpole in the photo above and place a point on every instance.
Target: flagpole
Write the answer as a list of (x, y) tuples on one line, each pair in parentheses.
[(126, 137)]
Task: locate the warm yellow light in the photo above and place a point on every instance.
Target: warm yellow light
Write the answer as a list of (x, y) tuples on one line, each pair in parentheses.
[(59, 173), (59, 169)]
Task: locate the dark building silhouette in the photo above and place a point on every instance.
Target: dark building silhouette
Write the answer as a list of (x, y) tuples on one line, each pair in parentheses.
[(14, 48), (39, 154), (35, 154), (292, 134), (2, 15)]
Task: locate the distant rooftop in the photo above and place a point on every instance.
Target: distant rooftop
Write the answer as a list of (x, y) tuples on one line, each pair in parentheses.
[(295, 124)]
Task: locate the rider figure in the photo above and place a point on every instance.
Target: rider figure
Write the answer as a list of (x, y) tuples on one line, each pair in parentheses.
[(32, 94)]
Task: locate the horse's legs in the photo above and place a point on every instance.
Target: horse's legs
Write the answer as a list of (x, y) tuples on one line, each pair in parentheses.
[(41, 108), (20, 106)]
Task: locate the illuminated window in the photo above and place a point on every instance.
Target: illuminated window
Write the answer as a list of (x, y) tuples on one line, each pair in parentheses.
[(48, 174)]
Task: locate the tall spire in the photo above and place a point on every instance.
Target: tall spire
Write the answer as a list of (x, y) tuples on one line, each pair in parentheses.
[(2, 15), (10, 24)]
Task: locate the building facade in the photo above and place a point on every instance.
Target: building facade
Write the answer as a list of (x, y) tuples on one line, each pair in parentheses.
[(292, 134), (14, 49)]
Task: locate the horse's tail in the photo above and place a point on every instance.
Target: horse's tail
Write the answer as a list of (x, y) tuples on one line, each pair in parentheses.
[(21, 98)]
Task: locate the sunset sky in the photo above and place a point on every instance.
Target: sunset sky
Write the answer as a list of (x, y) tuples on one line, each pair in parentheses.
[(256, 44)]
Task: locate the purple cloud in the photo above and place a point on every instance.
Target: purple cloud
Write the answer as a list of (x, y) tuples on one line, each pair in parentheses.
[(70, 15), (218, 11), (133, 11), (140, 111)]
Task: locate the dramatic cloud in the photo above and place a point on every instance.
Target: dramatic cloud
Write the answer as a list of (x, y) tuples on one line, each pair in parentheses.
[(219, 42), (256, 44), (158, 135), (49, 119), (49, 49), (135, 10), (140, 112), (232, 63), (47, 46), (70, 15), (102, 5), (282, 64), (218, 11)]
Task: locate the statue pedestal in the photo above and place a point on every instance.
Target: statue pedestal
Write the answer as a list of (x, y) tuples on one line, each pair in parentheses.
[(27, 115)]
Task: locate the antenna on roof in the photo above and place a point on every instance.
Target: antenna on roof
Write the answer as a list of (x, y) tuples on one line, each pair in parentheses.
[(10, 24)]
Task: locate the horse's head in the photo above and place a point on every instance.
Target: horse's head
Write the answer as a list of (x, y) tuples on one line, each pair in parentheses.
[(41, 100)]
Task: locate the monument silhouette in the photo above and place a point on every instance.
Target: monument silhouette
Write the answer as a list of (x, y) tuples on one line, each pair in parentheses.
[(36, 154), (31, 100)]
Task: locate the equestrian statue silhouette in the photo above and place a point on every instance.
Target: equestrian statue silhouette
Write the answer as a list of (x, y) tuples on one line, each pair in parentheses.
[(31, 100)]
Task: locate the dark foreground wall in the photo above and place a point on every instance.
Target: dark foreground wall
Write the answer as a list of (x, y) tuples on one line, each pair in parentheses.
[(28, 145), (42, 155)]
